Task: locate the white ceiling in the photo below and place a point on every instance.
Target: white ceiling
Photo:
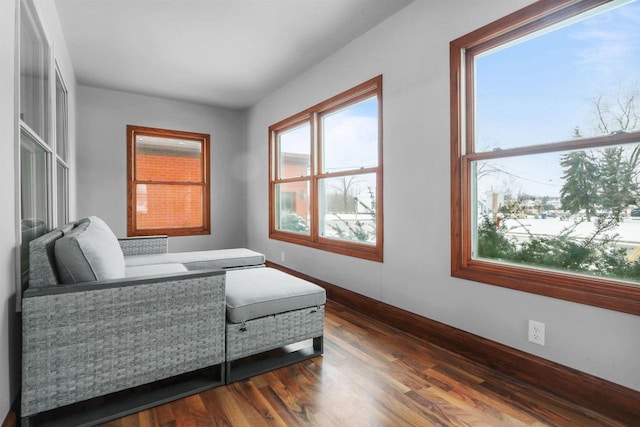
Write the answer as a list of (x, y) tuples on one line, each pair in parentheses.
[(228, 53)]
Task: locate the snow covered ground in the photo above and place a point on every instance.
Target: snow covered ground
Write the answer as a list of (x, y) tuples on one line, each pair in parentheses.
[(628, 230)]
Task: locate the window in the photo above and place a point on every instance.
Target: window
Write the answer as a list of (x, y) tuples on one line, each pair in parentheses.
[(34, 172), (168, 182), (35, 137), (34, 196), (34, 74), (545, 143), (325, 174), (62, 148)]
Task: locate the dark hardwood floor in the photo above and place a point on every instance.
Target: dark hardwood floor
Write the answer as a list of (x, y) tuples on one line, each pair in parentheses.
[(371, 375)]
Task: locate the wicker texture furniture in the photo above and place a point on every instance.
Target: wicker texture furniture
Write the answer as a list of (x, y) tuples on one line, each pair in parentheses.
[(42, 264), (199, 320), (283, 310), (91, 342), (85, 340), (144, 245), (270, 332)]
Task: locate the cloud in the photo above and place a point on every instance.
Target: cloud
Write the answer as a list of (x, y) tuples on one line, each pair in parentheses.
[(610, 42)]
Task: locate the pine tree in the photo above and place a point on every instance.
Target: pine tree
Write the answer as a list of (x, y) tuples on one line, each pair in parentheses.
[(618, 187), (581, 182)]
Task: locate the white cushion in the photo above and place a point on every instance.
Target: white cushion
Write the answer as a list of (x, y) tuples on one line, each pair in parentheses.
[(89, 252), (154, 269), (198, 260), (259, 292)]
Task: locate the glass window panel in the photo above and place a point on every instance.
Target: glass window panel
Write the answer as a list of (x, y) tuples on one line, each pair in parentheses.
[(350, 137), (61, 119), (33, 196), (34, 181), (292, 207), (63, 193), (294, 148), (348, 208), (574, 81), (576, 211), (34, 75), (166, 159), (169, 206)]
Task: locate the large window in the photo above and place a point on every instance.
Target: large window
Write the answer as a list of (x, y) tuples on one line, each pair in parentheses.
[(546, 152), (168, 182), (35, 109), (36, 139), (325, 174), (43, 165)]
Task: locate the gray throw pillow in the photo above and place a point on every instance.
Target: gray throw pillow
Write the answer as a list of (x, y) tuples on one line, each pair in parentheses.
[(89, 252)]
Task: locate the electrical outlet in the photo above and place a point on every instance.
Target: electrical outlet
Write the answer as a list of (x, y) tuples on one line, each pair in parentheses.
[(282, 256), (536, 332)]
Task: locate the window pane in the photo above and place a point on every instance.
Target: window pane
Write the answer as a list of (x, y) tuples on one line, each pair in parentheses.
[(576, 211), (33, 180), (348, 208), (292, 207), (294, 152), (579, 80), (61, 119), (350, 137), (34, 76), (169, 206), (63, 194), (33, 196), (166, 159)]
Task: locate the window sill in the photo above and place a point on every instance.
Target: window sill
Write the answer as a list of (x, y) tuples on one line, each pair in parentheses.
[(172, 232), (589, 290), (368, 252)]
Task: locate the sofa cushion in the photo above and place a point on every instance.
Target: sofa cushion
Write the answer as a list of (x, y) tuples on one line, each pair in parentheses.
[(89, 252), (154, 269), (221, 258), (258, 292)]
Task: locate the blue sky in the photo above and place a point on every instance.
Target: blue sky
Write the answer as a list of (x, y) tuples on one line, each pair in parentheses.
[(350, 142), (539, 90), (350, 137)]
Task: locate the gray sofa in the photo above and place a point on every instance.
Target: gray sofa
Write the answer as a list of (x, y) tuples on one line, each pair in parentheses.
[(95, 325), (103, 315)]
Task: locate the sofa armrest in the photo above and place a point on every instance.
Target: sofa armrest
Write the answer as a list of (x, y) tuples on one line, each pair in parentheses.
[(144, 245), (107, 336), (101, 285)]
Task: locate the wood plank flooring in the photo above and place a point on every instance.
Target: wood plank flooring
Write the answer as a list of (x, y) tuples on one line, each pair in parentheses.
[(371, 375)]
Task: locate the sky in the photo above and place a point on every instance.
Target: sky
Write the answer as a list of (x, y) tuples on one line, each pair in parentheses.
[(538, 91), (350, 137)]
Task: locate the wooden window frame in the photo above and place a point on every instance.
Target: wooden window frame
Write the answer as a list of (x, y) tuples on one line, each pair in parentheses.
[(313, 116), (594, 291), (132, 229)]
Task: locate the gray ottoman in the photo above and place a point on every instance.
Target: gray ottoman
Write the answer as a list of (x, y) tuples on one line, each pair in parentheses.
[(267, 310)]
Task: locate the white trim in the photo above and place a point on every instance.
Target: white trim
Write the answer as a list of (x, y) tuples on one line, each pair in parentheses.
[(56, 158)]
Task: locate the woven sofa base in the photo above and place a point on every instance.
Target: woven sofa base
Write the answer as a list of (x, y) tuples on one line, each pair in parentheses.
[(273, 332), (85, 344), (103, 409)]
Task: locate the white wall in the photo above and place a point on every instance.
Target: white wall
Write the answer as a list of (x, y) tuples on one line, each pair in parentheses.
[(102, 160), (411, 50)]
